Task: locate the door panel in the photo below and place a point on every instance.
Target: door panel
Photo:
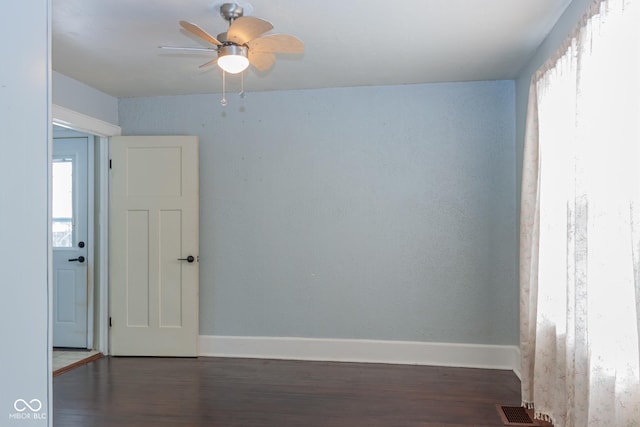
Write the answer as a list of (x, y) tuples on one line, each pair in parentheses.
[(66, 296), (154, 228), (137, 267), (170, 286), (70, 215)]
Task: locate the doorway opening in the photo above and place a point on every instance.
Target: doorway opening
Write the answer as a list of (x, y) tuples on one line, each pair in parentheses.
[(73, 248), (71, 124)]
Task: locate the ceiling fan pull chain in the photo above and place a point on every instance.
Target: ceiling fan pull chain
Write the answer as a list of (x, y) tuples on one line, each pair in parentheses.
[(223, 101), (242, 85)]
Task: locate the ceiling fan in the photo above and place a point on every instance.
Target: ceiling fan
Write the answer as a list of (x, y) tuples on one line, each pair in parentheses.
[(244, 43)]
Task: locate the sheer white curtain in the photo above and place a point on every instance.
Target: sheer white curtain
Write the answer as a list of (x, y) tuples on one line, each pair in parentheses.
[(580, 226)]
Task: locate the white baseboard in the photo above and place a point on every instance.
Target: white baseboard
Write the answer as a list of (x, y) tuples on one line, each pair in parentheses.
[(367, 351), (516, 363)]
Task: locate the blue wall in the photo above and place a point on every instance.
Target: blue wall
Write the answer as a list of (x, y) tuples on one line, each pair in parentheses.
[(368, 213), (77, 96)]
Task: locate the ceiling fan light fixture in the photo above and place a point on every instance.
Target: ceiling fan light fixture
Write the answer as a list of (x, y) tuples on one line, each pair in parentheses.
[(233, 58)]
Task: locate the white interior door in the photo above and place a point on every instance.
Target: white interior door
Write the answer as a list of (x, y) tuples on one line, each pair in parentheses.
[(154, 246), (70, 260)]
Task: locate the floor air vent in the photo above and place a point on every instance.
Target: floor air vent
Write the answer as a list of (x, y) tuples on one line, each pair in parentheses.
[(515, 416)]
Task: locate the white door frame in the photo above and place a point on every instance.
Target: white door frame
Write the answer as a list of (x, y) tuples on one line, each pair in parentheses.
[(70, 119)]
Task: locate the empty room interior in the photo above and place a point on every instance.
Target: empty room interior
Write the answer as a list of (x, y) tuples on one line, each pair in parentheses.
[(331, 237)]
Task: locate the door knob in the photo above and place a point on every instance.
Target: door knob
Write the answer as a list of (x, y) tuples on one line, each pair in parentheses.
[(188, 259), (79, 259)]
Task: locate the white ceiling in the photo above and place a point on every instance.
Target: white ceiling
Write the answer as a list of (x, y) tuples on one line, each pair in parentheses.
[(112, 45)]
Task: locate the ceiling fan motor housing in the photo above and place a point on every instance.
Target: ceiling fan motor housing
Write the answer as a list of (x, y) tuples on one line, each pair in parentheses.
[(222, 38), (232, 49)]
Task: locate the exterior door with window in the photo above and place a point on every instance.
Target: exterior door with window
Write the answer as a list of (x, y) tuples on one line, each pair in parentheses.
[(69, 227)]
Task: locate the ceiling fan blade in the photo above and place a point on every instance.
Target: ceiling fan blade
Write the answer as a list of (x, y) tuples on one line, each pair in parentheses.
[(261, 60), (202, 49), (282, 43), (197, 31), (247, 28), (206, 64)]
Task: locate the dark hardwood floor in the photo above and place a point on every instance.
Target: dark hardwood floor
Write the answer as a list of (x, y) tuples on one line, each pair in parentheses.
[(216, 392)]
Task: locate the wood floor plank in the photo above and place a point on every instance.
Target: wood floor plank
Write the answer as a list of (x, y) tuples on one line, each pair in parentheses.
[(220, 392)]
